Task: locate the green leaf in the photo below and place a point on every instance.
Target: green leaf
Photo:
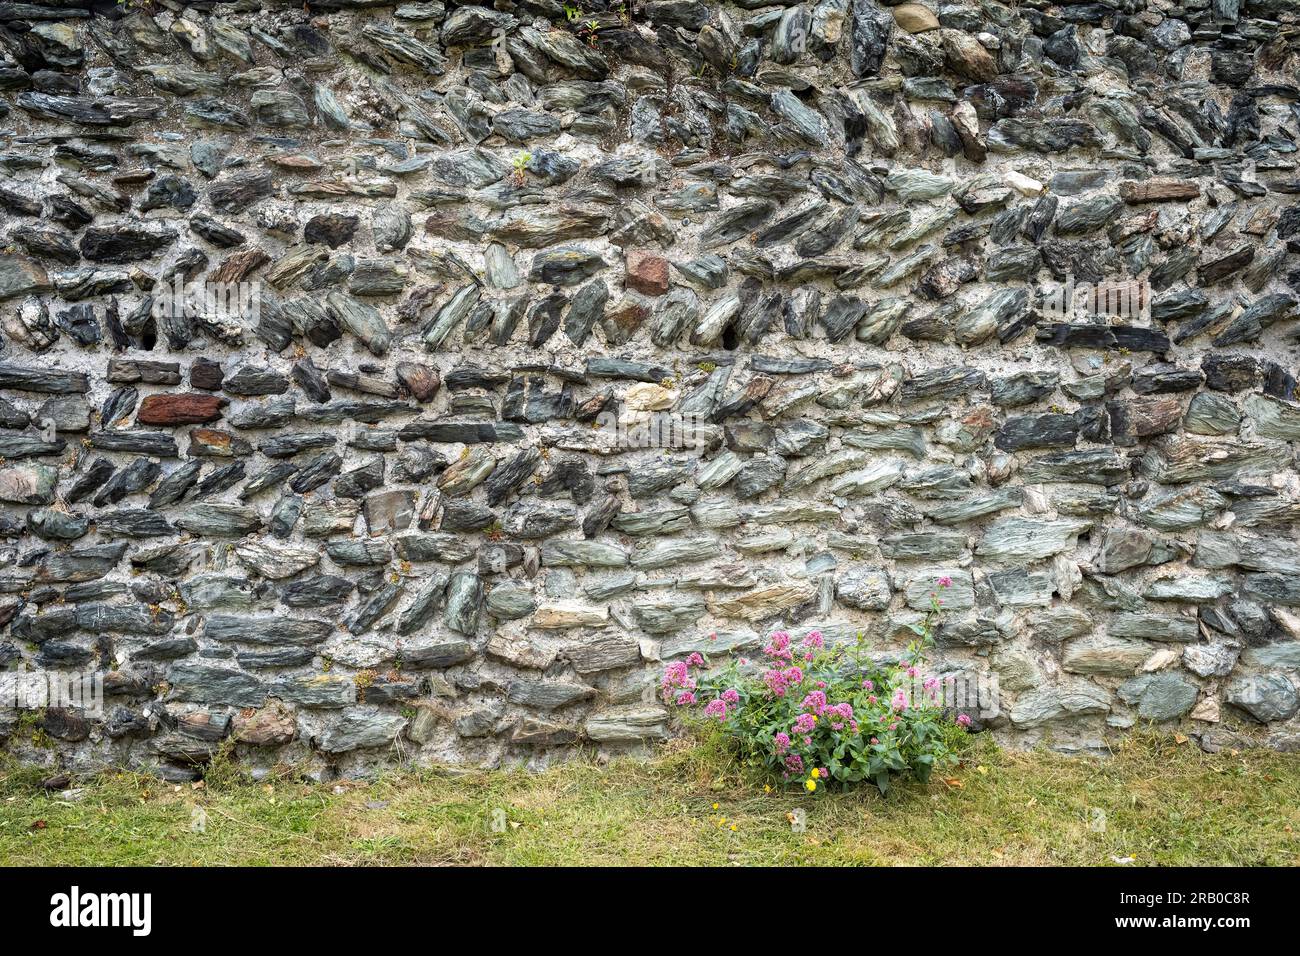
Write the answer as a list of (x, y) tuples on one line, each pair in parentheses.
[(922, 767)]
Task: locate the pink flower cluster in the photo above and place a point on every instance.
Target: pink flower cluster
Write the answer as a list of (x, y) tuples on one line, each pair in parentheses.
[(815, 702), (803, 670), (778, 681), (812, 642), (677, 685), (778, 647), (719, 707), (838, 715)]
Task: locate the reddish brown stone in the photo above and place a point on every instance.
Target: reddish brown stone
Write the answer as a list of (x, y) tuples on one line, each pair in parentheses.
[(979, 424), (183, 409), (207, 375), (420, 380), (1260, 222), (239, 265), (1158, 190), (622, 321), (1143, 417), (211, 443), (298, 162), (1132, 225), (271, 726), (133, 177), (646, 273), (201, 726)]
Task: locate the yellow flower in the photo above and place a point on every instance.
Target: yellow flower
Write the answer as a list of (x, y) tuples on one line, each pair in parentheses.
[(811, 785), (733, 828), (816, 774), (715, 806)]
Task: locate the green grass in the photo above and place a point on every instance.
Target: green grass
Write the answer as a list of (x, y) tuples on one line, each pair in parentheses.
[(1164, 803)]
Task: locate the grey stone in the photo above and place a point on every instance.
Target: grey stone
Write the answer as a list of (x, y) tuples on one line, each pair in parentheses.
[(361, 727), (1188, 589), (546, 695), (319, 591), (1022, 539), (1108, 656), (1265, 697), (1160, 697), (1058, 702), (266, 630), (627, 723), (317, 691), (1210, 660), (1155, 627), (865, 589), (464, 599), (211, 684), (276, 561)]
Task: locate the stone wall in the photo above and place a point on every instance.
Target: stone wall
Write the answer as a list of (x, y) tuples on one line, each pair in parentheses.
[(396, 508)]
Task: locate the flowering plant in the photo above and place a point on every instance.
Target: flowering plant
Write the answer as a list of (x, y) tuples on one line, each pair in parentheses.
[(817, 713)]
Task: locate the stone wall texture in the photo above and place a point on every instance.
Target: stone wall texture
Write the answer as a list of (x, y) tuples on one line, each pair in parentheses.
[(400, 509)]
